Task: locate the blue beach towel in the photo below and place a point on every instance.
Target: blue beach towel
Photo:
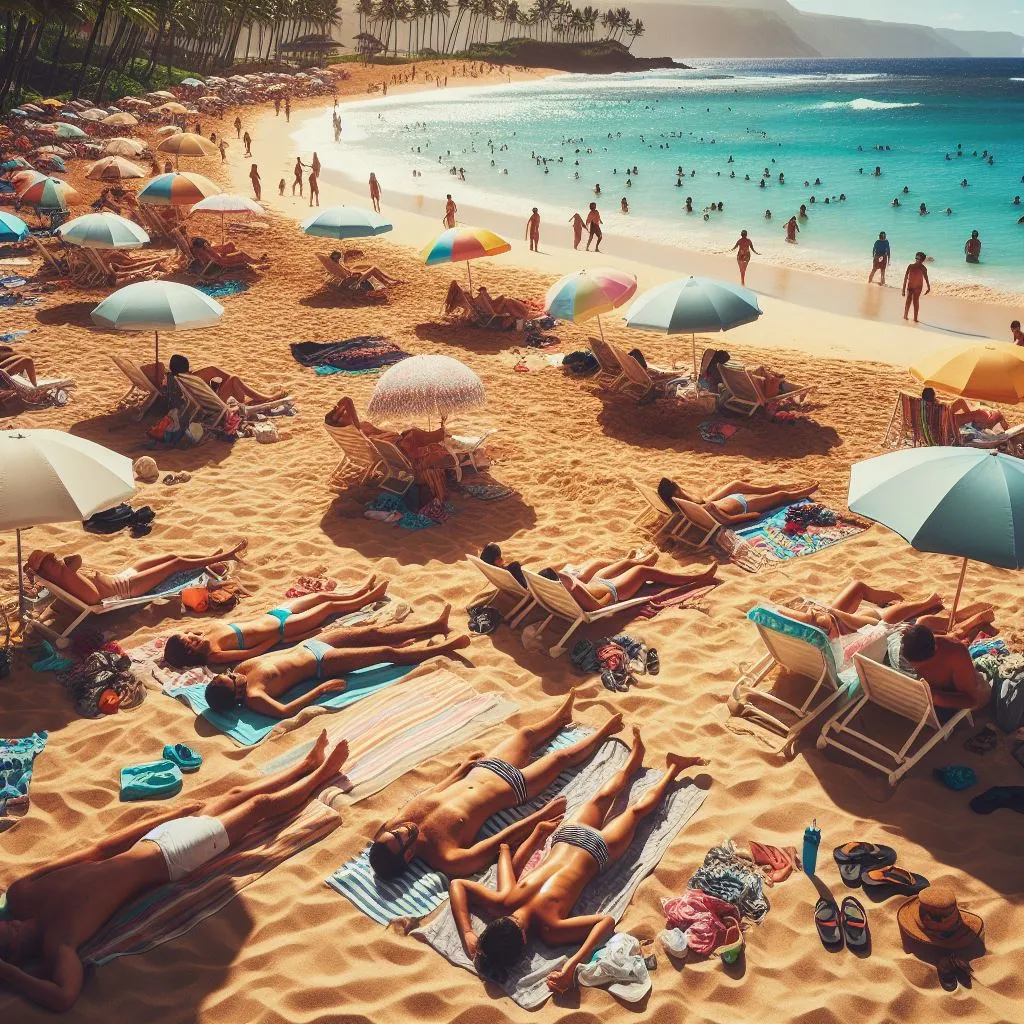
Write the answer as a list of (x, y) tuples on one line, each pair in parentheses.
[(16, 760), (768, 536), (218, 289), (247, 728)]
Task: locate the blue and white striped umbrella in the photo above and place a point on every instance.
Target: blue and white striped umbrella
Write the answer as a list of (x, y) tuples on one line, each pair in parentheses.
[(345, 222)]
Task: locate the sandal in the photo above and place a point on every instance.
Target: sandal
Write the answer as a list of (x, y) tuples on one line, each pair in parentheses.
[(948, 974), (855, 924), (857, 857), (826, 920), (983, 742), (895, 880), (653, 662)]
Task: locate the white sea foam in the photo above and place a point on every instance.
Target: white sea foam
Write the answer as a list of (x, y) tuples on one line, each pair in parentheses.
[(863, 104)]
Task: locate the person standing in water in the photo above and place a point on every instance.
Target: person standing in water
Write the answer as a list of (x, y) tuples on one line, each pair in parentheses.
[(450, 209), (577, 229), (375, 192), (914, 280), (247, 142), (972, 248), (743, 248), (792, 230), (880, 256), (315, 164), (594, 224), (533, 230)]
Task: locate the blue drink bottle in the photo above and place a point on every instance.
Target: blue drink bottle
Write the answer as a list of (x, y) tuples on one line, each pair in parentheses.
[(812, 840)]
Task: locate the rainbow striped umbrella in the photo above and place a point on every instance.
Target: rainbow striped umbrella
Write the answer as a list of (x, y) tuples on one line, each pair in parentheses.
[(179, 188), (588, 293), (50, 194), (458, 245)]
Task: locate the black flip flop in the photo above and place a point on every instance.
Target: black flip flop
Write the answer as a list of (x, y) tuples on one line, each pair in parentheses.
[(855, 925), (857, 857), (653, 662), (892, 880), (826, 920)]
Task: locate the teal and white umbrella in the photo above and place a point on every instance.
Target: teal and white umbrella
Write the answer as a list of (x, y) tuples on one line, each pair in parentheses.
[(967, 502), (69, 131), (693, 305), (157, 306), (345, 222), (12, 229), (103, 231)]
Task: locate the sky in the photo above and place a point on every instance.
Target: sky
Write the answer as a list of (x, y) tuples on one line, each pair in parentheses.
[(990, 15)]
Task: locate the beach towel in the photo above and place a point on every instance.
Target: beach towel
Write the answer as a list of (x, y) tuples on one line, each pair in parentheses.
[(17, 757), (769, 537), (218, 289), (366, 354), (673, 597), (177, 907), (717, 431), (394, 731), (422, 889), (609, 893)]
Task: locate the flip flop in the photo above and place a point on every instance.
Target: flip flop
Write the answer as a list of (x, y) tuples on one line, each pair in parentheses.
[(183, 756), (855, 924), (155, 780), (653, 662), (897, 880), (857, 857), (983, 742), (826, 920), (948, 974), (777, 860)]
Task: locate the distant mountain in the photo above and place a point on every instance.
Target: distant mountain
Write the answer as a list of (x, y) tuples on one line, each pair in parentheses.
[(774, 28)]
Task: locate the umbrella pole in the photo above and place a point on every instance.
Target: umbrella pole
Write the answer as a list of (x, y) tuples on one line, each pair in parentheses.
[(469, 271), (21, 580), (956, 597), (599, 327), (222, 229), (156, 365), (693, 347)]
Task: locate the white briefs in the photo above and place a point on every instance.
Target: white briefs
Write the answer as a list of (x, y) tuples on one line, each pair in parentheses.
[(188, 843)]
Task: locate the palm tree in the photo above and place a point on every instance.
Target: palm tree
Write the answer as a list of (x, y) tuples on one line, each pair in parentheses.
[(636, 32)]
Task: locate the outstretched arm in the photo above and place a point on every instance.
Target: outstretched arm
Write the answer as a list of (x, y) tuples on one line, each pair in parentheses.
[(595, 927), (273, 708), (58, 994), (234, 657), (478, 856), (462, 893)]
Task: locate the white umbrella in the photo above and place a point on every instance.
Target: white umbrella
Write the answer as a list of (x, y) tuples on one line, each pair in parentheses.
[(168, 129), (114, 168), (225, 203), (50, 476), (425, 386), (103, 231), (93, 114), (121, 146), (345, 222)]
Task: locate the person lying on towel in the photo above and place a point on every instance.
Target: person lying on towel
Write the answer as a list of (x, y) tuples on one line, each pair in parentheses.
[(57, 908), (441, 825), (221, 643), (543, 899), (259, 683), (739, 501), (91, 586)]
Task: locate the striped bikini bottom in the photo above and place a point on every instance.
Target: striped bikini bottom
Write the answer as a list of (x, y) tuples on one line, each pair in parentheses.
[(583, 837), (507, 773)]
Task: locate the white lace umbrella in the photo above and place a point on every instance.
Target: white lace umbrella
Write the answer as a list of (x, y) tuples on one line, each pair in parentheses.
[(225, 203), (431, 387)]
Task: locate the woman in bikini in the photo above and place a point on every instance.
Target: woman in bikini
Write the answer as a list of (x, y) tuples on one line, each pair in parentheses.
[(743, 248), (298, 619), (600, 582), (739, 501), (857, 606)]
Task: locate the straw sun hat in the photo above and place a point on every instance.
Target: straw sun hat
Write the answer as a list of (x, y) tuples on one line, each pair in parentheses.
[(934, 918)]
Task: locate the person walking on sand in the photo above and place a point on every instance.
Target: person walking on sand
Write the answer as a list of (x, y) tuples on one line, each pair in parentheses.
[(972, 248), (277, 106), (375, 192), (450, 209), (1016, 333), (223, 147), (594, 224), (914, 280), (792, 230), (314, 188), (298, 176), (238, 127), (288, 109), (247, 142), (577, 229), (254, 177), (743, 248), (880, 256), (533, 230)]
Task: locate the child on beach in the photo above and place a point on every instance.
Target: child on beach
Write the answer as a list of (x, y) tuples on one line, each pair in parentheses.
[(280, 187)]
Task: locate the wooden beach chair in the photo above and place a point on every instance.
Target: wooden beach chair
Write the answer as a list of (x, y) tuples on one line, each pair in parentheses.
[(464, 449), (142, 389), (901, 696), (742, 391), (360, 461), (399, 473), (559, 604), (695, 525), (915, 423), (208, 407), (655, 519), (635, 381), (610, 372), (46, 390), (503, 582), (345, 281)]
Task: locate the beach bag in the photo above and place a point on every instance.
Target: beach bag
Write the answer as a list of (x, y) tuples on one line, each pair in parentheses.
[(1008, 692)]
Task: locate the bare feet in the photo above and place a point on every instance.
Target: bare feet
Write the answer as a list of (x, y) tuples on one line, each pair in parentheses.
[(565, 711), (637, 752), (316, 755), (441, 622), (456, 643), (612, 726), (336, 757), (681, 763), (375, 592), (709, 573), (237, 551)]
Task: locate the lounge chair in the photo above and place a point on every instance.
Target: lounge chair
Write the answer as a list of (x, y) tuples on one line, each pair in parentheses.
[(359, 459), (899, 694), (915, 423), (142, 389), (802, 650), (464, 449), (399, 473), (656, 518), (695, 525), (553, 597), (503, 582), (132, 269), (742, 391), (210, 408), (345, 281), (46, 390), (635, 381), (610, 372)]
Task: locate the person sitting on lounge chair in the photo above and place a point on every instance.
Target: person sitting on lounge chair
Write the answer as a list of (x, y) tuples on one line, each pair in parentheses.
[(943, 661), (12, 362), (500, 305), (739, 501), (441, 825), (362, 268), (458, 298), (226, 385), (543, 901), (298, 619), (259, 683), (91, 586), (710, 376), (362, 275), (225, 255), (772, 384), (57, 908), (965, 416)]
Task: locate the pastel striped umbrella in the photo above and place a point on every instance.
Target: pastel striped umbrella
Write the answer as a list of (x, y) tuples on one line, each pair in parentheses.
[(462, 244), (103, 231), (345, 222), (179, 188), (114, 168), (589, 293), (50, 194), (225, 203), (120, 146), (12, 229)]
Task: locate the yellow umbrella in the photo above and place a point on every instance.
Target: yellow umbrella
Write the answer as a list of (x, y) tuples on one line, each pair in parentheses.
[(187, 144), (55, 103), (990, 372), (122, 120), (172, 107)]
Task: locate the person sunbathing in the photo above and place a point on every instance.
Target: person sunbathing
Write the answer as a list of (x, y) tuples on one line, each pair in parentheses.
[(298, 619), (225, 385), (441, 825), (363, 274), (364, 268), (500, 305), (226, 255), (259, 683), (91, 586), (57, 908), (11, 363), (772, 384), (602, 582), (542, 900), (965, 416), (859, 605), (738, 501), (943, 661)]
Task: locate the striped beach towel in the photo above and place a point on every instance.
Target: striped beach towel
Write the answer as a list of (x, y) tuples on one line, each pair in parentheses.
[(422, 889), (394, 731), (176, 908)]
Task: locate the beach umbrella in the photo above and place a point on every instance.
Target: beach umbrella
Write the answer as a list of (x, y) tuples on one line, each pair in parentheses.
[(123, 147), (95, 114), (123, 119), (192, 83), (168, 129), (69, 131), (179, 188), (157, 306), (990, 372), (12, 229), (172, 107), (160, 94), (187, 144), (19, 112), (693, 305), (588, 293), (225, 203), (50, 194), (51, 151), (22, 179), (32, 108), (955, 501), (433, 387), (51, 476), (463, 244), (15, 162), (52, 103), (114, 168), (134, 101), (103, 231), (345, 222)]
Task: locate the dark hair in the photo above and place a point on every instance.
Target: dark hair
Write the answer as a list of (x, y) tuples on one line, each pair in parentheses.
[(501, 944), (1014, 325), (336, 255), (920, 255), (220, 697), (490, 554), (178, 655), (667, 490), (178, 364), (386, 863), (918, 643), (720, 356), (638, 356), (515, 570), (928, 395), (549, 574)]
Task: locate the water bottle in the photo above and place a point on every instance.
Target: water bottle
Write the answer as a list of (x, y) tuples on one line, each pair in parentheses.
[(812, 840)]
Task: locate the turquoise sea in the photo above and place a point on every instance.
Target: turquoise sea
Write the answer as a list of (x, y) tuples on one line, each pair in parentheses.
[(833, 121)]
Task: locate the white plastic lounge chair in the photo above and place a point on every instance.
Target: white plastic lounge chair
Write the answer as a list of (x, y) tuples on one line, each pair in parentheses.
[(399, 473), (464, 449), (900, 695), (359, 459), (503, 582), (46, 390), (656, 518), (209, 407), (742, 392), (142, 388), (798, 649), (553, 597), (695, 525)]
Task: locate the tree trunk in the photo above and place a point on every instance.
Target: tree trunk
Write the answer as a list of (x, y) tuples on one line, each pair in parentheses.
[(96, 26)]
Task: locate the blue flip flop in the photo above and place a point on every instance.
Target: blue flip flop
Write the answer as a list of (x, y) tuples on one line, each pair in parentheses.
[(155, 780), (183, 756)]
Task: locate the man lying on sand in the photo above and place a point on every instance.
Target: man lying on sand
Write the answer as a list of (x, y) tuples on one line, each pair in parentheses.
[(91, 586), (543, 901), (298, 619), (57, 908), (441, 825), (258, 683), (739, 501)]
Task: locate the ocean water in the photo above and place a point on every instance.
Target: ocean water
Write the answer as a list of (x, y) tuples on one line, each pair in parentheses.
[(810, 120)]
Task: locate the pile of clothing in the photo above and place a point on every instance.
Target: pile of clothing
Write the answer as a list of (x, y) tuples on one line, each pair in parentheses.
[(103, 683), (806, 514), (390, 508), (618, 660)]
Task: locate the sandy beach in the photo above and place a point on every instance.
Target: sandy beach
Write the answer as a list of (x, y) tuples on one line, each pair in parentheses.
[(288, 948)]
